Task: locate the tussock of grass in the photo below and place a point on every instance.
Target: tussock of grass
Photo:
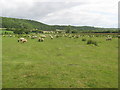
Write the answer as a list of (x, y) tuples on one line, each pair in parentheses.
[(83, 39), (92, 42)]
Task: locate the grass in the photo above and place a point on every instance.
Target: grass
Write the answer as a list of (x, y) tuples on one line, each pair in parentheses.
[(60, 63), (4, 31)]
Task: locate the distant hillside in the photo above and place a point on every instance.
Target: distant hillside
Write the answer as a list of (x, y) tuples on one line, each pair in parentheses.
[(23, 23), (34, 25)]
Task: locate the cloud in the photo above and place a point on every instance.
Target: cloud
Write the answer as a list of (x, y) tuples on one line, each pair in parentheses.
[(102, 13)]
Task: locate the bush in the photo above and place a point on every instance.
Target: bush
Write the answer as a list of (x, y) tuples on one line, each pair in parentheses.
[(74, 31), (83, 39), (89, 42), (95, 43), (92, 42)]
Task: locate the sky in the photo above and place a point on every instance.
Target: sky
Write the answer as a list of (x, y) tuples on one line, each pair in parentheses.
[(98, 13)]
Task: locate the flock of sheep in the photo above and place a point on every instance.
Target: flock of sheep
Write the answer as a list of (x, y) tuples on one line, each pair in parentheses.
[(41, 38)]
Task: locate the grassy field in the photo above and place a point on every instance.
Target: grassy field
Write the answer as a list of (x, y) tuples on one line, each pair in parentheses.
[(60, 63), (4, 31)]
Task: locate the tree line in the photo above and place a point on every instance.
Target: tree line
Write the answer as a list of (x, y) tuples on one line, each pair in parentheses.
[(20, 26)]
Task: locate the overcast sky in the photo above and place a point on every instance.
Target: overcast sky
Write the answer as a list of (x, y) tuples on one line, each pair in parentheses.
[(100, 13)]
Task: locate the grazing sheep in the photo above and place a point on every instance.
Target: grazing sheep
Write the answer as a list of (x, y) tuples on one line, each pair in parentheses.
[(24, 40), (20, 39), (65, 35), (57, 36), (33, 37), (118, 36), (73, 35), (76, 36), (70, 36), (40, 39), (10, 35), (51, 36), (29, 36), (42, 36), (109, 39), (3, 35)]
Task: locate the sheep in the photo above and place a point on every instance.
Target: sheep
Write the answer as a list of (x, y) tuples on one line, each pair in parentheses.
[(29, 36), (70, 36), (24, 40), (109, 38), (40, 39), (42, 36), (33, 37), (10, 35), (64, 35), (57, 36), (51, 36), (3, 35), (20, 39), (76, 36), (118, 36)]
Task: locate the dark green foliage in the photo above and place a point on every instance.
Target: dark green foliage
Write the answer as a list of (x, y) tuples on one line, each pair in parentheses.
[(67, 31), (89, 42), (29, 25), (74, 31), (21, 31), (92, 42), (95, 43), (23, 23), (83, 39)]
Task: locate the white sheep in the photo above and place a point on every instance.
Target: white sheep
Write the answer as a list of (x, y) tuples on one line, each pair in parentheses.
[(10, 35), (20, 39), (40, 39), (3, 35), (33, 37), (51, 36), (42, 36), (24, 40), (109, 38)]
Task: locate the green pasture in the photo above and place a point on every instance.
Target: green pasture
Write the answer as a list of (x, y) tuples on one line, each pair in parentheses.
[(60, 63), (4, 31)]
